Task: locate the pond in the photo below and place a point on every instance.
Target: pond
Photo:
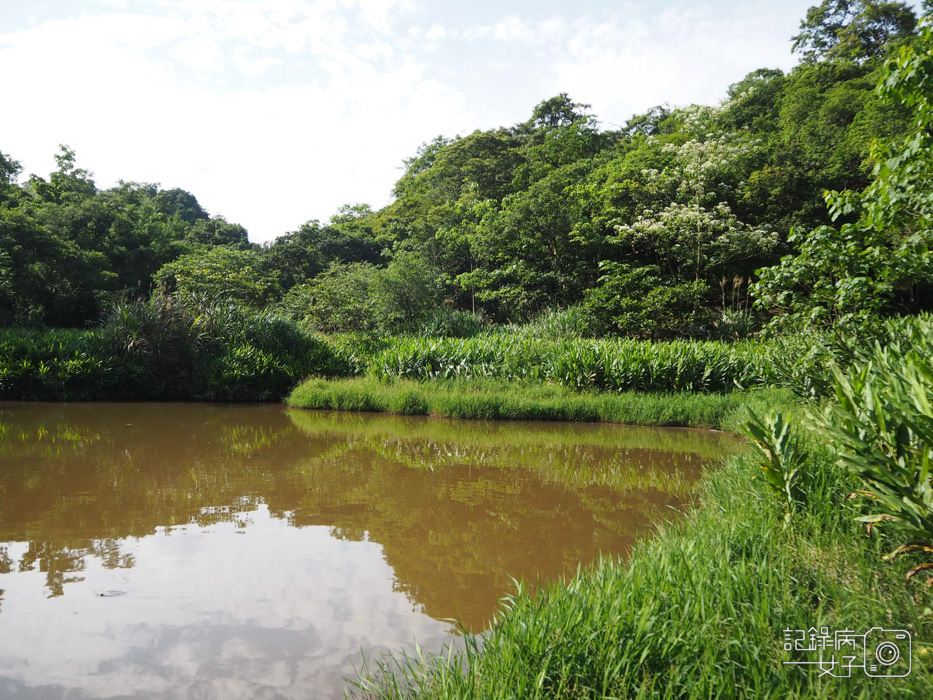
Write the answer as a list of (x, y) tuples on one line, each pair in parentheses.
[(179, 550)]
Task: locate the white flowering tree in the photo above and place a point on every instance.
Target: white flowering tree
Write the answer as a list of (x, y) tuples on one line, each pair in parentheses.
[(680, 240)]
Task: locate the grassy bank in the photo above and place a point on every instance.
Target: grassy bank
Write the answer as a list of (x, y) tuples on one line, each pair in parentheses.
[(502, 400), (698, 611)]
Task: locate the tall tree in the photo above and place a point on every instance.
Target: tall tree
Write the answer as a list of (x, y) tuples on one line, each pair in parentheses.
[(883, 261), (855, 30), (9, 171)]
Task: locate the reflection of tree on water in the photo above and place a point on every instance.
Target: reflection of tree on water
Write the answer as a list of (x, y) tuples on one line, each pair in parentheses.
[(78, 480), (457, 508), (57, 561), (6, 567)]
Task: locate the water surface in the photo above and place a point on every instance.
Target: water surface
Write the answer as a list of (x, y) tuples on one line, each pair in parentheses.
[(178, 550)]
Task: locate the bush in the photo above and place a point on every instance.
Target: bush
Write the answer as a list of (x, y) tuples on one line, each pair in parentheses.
[(449, 323), (557, 324), (161, 349)]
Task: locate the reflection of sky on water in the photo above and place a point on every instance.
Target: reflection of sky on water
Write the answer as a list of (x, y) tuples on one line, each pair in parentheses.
[(274, 611), (183, 550)]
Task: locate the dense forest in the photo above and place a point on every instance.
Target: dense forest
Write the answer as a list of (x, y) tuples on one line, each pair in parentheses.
[(697, 221)]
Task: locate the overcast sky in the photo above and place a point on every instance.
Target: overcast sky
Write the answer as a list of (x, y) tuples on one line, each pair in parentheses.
[(273, 112)]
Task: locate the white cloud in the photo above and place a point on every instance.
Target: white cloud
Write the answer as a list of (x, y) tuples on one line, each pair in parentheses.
[(509, 29), (278, 111), (250, 66), (681, 55), (199, 54), (157, 99), (378, 13), (435, 33)]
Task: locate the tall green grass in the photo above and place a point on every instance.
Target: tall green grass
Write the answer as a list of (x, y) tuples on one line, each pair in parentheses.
[(492, 399), (551, 350), (608, 365)]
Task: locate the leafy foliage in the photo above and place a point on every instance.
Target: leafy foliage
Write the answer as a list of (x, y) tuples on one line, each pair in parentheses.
[(780, 456), (882, 261), (883, 428), (164, 349), (221, 274), (852, 29)]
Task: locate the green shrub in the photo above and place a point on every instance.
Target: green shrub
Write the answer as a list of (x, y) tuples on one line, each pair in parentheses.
[(882, 426), (161, 349), (450, 323)]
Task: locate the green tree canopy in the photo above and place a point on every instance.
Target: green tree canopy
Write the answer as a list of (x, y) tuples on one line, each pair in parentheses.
[(854, 30), (881, 262), (220, 275)]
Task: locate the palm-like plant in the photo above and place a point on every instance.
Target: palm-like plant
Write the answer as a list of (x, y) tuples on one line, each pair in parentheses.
[(883, 429), (779, 453)]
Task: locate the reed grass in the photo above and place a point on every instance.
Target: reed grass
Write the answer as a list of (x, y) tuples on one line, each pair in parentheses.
[(491, 399), (607, 365)]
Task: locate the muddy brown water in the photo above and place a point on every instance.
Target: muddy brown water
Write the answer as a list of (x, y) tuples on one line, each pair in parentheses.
[(179, 550)]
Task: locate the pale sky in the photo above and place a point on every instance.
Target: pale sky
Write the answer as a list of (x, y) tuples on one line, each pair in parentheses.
[(274, 112)]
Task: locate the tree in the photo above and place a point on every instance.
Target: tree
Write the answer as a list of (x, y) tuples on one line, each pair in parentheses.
[(218, 231), (339, 300), (181, 204), (854, 30), (526, 253), (695, 243), (45, 279), (650, 123), (558, 111), (881, 262), (420, 162), (638, 301), (301, 255), (560, 132), (755, 101), (9, 171), (218, 276), (405, 292), (68, 184)]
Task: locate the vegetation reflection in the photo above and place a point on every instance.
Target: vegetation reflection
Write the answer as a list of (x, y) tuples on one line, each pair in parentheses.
[(458, 508)]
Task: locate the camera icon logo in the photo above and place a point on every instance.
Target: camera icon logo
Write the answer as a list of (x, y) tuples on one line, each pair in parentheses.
[(887, 653)]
